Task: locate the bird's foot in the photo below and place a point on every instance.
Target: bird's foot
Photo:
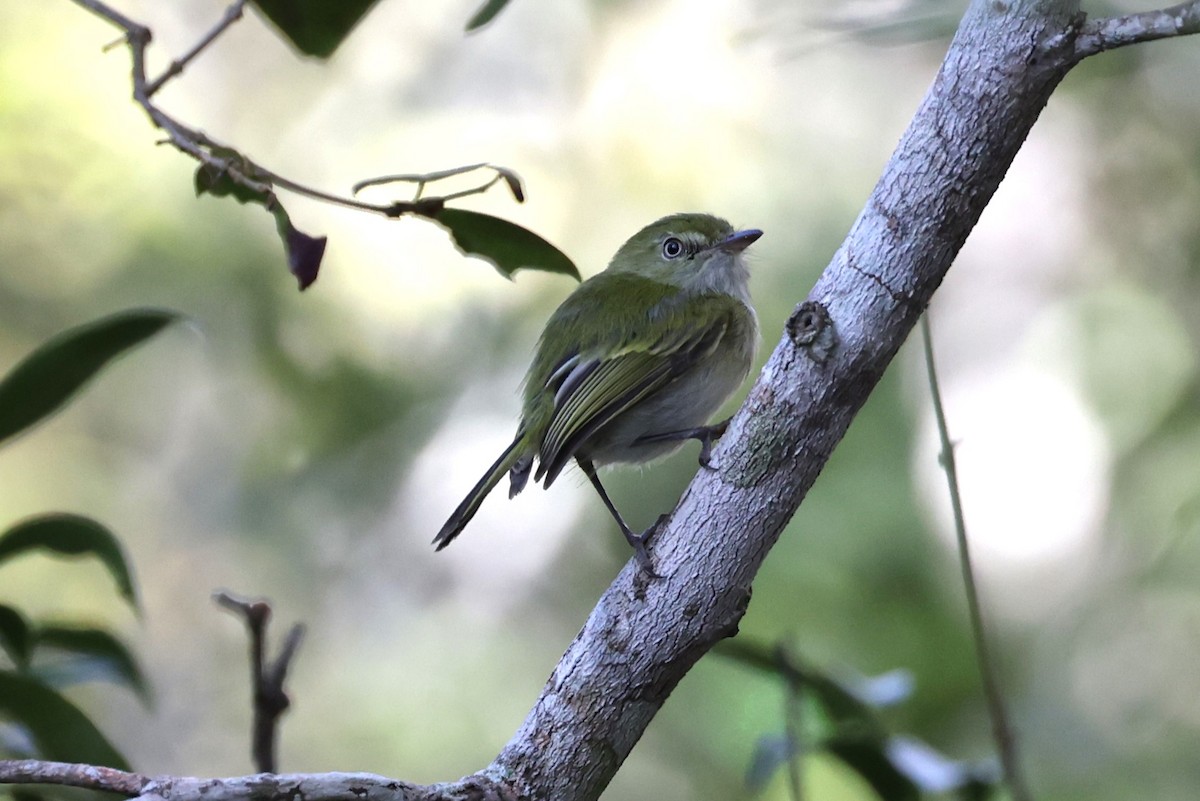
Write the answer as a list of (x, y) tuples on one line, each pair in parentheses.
[(707, 435), (639, 542)]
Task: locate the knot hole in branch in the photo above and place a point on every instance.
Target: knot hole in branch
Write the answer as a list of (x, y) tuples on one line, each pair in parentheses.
[(811, 329)]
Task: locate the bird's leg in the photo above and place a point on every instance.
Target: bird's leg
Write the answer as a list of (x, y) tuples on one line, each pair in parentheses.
[(636, 541), (706, 434)]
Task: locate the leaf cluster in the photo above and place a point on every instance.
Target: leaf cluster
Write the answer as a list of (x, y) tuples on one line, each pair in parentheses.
[(46, 657), (841, 716)]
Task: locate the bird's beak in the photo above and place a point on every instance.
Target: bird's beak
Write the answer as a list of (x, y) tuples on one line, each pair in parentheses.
[(736, 243)]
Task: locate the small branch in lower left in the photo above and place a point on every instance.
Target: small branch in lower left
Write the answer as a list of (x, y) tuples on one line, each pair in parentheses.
[(266, 676), (68, 774)]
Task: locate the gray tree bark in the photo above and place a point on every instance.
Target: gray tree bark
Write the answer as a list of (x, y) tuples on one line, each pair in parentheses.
[(643, 636)]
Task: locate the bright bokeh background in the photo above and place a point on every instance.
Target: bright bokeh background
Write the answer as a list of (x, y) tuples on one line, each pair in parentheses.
[(306, 447)]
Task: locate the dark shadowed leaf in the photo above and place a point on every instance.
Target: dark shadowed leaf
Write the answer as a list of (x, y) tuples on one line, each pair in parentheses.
[(70, 535), (304, 252), (315, 27), (209, 180), (48, 377), (508, 246), (867, 756), (751, 655), (59, 730), (14, 636), (24, 794), (66, 655), (838, 701), (485, 14)]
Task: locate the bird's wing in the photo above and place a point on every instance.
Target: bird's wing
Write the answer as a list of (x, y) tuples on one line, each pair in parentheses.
[(590, 390)]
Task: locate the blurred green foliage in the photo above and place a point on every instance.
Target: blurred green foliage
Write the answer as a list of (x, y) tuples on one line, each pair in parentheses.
[(36, 719)]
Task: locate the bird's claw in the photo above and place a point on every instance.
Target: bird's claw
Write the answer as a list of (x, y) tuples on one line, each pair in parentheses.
[(641, 552)]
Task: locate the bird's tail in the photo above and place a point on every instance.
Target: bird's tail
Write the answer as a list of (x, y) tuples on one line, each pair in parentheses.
[(470, 505)]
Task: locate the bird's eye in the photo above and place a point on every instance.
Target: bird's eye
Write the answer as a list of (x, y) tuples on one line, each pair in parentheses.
[(672, 248)]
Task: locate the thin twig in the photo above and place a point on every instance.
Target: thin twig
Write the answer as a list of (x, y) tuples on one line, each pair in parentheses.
[(1107, 33), (225, 160), (794, 728), (112, 15), (1006, 741), (266, 678), (67, 774), (232, 15)]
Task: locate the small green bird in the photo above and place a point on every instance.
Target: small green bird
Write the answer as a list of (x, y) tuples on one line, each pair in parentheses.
[(633, 363)]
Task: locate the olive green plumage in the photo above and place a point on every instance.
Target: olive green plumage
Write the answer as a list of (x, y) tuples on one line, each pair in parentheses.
[(652, 346)]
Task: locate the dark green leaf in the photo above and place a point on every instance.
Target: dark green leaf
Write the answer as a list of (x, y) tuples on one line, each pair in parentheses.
[(211, 181), (838, 701), (71, 535), (868, 757), (304, 252), (508, 246), (88, 654), (751, 655), (771, 752), (59, 730), (315, 27), (841, 704), (980, 788), (24, 794), (484, 15), (48, 377), (14, 636)]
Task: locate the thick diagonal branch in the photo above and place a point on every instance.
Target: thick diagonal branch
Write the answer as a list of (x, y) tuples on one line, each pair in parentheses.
[(644, 636)]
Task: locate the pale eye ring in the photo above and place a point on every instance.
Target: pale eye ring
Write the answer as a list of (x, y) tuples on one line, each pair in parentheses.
[(672, 248)]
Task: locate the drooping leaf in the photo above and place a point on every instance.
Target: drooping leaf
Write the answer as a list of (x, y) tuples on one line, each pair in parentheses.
[(750, 654), (485, 14), (86, 654), (838, 701), (71, 535), (59, 730), (304, 252), (47, 378), (508, 246), (14, 636), (315, 27)]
